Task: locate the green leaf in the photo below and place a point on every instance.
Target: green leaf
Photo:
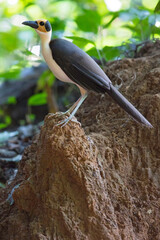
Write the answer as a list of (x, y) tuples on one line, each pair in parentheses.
[(9, 41), (143, 29), (58, 25), (3, 125), (93, 52), (38, 99), (152, 20), (115, 15), (80, 41), (111, 52), (138, 13), (155, 30), (31, 117), (47, 77), (12, 100), (6, 122), (157, 8), (89, 21), (26, 52), (13, 73)]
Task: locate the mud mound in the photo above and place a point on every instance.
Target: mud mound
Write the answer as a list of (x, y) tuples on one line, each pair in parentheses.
[(99, 182)]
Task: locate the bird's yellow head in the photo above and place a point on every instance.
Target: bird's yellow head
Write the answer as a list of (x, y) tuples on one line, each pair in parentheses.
[(41, 26)]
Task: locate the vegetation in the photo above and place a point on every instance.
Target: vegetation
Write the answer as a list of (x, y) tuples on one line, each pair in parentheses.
[(103, 31)]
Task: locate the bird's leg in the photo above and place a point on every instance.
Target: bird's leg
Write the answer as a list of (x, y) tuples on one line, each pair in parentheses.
[(70, 109), (73, 110)]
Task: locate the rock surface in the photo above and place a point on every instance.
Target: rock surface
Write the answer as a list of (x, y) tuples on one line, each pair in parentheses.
[(99, 182)]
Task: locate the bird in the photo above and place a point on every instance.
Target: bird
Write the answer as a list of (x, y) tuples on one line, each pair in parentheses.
[(71, 64)]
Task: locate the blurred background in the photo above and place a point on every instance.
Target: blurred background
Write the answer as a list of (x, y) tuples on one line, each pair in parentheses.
[(106, 29)]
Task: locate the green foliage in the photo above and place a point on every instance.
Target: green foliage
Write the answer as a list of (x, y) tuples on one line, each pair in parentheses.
[(58, 26), (140, 22), (157, 8), (38, 99), (46, 78), (12, 73), (12, 100), (30, 118), (80, 41), (93, 52), (5, 120), (111, 52), (89, 21)]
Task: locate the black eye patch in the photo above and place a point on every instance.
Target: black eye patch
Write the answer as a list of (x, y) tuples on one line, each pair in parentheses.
[(41, 23), (48, 26)]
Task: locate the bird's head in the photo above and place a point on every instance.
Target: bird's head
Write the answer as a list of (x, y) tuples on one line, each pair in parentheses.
[(42, 27)]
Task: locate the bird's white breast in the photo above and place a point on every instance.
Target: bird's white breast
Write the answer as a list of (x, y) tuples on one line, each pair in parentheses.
[(57, 71)]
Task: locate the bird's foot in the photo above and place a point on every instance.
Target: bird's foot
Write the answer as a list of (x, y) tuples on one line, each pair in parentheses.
[(72, 111), (66, 120)]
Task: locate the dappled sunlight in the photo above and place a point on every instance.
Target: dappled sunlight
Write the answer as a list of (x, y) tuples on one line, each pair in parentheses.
[(12, 2), (114, 5), (17, 20)]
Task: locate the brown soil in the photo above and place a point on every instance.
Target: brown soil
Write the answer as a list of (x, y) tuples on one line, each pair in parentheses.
[(99, 182)]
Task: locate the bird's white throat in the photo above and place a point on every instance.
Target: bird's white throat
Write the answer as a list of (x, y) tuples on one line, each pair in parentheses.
[(44, 36), (47, 54)]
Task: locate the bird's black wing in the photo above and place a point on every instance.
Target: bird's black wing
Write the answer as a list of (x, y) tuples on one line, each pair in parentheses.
[(79, 66)]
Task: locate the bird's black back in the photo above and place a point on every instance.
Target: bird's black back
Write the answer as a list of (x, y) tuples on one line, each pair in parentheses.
[(79, 66)]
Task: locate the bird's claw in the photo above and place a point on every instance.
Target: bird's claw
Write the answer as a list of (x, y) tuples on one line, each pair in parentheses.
[(65, 121), (62, 123)]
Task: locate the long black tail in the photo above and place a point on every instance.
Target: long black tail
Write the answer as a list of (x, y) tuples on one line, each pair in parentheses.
[(127, 106)]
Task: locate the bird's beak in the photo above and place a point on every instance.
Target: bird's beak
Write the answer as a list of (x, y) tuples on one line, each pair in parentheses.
[(32, 24)]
